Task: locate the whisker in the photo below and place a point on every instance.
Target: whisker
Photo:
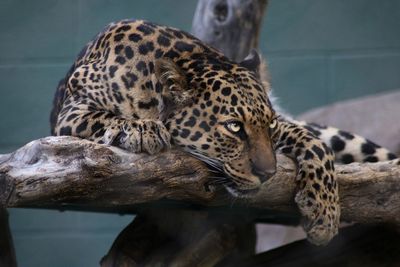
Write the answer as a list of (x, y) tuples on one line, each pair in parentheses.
[(219, 178), (233, 200), (218, 182), (211, 162), (214, 171)]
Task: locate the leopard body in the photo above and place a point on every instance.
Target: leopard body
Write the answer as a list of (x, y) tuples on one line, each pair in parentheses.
[(146, 87)]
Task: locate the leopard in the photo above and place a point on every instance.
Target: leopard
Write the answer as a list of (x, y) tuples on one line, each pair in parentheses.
[(146, 88)]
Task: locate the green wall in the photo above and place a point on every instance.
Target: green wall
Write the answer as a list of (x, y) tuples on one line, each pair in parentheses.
[(319, 51)]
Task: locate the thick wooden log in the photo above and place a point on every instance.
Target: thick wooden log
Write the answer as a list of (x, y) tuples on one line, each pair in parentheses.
[(72, 173), (232, 26), (65, 171)]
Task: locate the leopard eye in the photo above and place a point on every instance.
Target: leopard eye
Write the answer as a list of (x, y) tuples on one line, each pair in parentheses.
[(234, 126), (273, 124)]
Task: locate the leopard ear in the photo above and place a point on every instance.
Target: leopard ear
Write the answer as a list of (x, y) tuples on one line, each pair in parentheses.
[(170, 75), (176, 93), (252, 62)]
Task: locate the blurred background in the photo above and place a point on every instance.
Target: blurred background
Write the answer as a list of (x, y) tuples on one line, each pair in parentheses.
[(319, 52)]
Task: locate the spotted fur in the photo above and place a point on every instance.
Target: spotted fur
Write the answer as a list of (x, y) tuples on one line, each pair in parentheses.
[(349, 147), (144, 87)]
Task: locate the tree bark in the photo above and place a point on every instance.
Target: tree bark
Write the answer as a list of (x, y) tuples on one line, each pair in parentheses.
[(72, 173), (232, 26), (7, 252)]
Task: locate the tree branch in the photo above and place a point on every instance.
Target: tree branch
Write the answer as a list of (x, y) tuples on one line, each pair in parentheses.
[(7, 252), (232, 26), (72, 173), (182, 237)]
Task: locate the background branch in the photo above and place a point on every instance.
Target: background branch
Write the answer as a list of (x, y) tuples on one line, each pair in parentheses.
[(232, 26), (7, 252)]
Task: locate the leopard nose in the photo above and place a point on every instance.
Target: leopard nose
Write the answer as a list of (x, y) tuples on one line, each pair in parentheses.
[(264, 174)]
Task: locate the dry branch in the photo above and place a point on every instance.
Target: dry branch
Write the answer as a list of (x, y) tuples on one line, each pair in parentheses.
[(71, 173)]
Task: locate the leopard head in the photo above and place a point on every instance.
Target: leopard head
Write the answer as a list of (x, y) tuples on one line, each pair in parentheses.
[(222, 115)]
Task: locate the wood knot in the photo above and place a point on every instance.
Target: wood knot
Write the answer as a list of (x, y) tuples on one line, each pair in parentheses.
[(221, 11)]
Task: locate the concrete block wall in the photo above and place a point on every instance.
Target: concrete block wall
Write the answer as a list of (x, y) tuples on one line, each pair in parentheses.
[(323, 51), (319, 51)]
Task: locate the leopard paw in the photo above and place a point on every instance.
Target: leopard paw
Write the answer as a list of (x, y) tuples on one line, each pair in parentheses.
[(155, 136), (139, 136), (320, 217)]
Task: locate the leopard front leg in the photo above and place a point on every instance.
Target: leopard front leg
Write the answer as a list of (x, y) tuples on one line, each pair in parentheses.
[(317, 196), (79, 119)]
